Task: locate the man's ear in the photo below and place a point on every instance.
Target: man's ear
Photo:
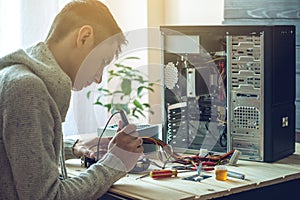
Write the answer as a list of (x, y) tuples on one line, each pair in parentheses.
[(85, 36)]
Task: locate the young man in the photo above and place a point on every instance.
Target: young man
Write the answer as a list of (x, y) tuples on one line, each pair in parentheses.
[(35, 89)]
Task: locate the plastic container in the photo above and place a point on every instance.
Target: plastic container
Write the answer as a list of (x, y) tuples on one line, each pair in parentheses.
[(221, 172)]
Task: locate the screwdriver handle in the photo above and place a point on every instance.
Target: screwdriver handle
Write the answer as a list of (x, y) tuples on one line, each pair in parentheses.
[(163, 173)]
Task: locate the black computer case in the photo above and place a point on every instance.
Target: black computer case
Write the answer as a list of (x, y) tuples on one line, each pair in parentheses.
[(249, 107)]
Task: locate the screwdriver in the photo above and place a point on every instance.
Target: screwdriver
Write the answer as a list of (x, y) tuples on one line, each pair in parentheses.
[(165, 173)]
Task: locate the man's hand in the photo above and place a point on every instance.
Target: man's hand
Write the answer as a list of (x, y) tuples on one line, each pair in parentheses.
[(127, 146), (89, 148)]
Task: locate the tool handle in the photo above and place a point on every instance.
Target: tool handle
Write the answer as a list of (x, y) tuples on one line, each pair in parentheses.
[(124, 118), (235, 175), (163, 173)]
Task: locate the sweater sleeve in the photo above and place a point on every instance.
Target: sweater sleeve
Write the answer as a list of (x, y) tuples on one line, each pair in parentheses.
[(32, 139), (68, 148)]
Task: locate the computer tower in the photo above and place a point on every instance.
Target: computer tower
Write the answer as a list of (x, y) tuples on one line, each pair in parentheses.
[(259, 84)]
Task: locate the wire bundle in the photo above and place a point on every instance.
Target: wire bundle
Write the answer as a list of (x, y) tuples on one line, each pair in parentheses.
[(170, 156)]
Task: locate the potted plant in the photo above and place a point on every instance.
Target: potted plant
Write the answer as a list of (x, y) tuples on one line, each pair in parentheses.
[(134, 85)]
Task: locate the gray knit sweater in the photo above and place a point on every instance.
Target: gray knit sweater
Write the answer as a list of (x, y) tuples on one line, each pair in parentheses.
[(34, 99)]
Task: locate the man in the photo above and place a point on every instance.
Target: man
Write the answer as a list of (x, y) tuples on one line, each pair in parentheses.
[(35, 91)]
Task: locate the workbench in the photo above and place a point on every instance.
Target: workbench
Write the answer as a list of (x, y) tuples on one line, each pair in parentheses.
[(263, 180)]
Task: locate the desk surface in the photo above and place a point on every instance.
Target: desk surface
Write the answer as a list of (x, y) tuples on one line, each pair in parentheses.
[(258, 174)]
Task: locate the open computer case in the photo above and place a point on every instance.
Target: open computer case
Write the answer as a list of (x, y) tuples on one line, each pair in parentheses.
[(230, 87)]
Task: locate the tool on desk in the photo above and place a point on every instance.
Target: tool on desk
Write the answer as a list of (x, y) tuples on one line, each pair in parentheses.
[(143, 176), (87, 162), (199, 169), (205, 166), (196, 177), (203, 152), (165, 173), (236, 175), (199, 176), (157, 174), (235, 157)]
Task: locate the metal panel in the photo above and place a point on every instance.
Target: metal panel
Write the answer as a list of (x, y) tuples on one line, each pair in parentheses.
[(295, 22), (267, 12), (298, 59), (297, 83), (298, 116), (245, 89), (298, 88)]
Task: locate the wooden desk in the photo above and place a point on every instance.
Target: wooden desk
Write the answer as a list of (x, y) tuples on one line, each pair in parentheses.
[(259, 175)]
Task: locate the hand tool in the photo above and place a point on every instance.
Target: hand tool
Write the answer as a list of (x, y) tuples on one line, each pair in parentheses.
[(165, 173)]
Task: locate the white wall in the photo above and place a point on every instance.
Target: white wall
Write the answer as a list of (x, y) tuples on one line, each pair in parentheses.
[(129, 14), (194, 12), (10, 31), (134, 14), (23, 23), (37, 16)]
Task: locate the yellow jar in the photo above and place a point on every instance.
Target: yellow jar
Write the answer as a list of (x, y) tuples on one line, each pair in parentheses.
[(221, 172)]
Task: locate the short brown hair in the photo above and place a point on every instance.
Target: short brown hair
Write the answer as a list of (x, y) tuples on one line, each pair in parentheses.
[(86, 12)]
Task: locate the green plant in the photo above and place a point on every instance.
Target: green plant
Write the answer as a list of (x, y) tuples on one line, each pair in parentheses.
[(128, 97)]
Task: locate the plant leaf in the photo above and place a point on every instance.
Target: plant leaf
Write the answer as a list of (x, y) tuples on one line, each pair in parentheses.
[(117, 92), (126, 86), (88, 94), (134, 85), (131, 57), (150, 88), (122, 66), (146, 105), (108, 106), (152, 112), (141, 113), (139, 91), (101, 89), (133, 113), (138, 104), (98, 103)]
